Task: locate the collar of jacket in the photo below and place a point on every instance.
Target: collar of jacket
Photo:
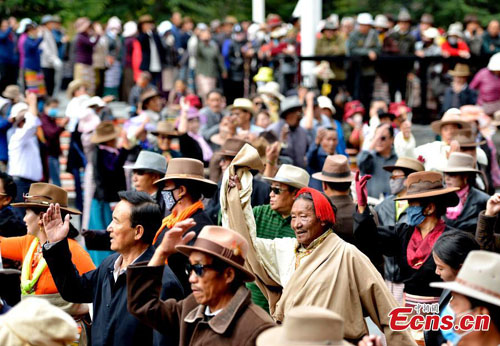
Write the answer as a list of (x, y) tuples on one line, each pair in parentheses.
[(146, 256), (220, 322)]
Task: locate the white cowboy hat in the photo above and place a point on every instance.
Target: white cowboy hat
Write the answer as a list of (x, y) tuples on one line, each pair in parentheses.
[(291, 175)]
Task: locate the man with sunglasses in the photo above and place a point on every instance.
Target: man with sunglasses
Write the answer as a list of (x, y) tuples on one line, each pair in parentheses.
[(219, 311), (381, 153)]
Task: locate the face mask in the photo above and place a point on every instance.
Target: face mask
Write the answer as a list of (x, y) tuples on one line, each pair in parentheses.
[(397, 185), (450, 334), (168, 197), (53, 113), (453, 40), (414, 216)]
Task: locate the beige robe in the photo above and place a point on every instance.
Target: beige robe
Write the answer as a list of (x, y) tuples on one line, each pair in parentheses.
[(336, 276)]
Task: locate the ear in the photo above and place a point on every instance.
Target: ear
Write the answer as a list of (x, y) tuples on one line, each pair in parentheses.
[(139, 232), (324, 186), (430, 209), (182, 191), (229, 275)]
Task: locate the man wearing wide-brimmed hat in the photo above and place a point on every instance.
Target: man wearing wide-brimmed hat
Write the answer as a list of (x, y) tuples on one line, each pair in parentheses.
[(184, 188), (241, 113), (219, 311), (458, 93), (435, 154), (460, 172)]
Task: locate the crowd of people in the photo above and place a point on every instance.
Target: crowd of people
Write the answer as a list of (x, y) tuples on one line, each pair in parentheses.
[(233, 205)]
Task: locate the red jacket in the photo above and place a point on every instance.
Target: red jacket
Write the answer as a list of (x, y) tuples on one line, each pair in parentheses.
[(462, 46)]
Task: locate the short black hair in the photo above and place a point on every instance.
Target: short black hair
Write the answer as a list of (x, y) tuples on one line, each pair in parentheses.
[(391, 130), (214, 91), (194, 188), (494, 310), (441, 203), (51, 101), (344, 186), (145, 212), (220, 266), (452, 247), (9, 185)]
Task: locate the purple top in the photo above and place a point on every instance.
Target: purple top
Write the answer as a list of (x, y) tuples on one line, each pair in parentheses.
[(84, 48), (488, 85), (20, 48)]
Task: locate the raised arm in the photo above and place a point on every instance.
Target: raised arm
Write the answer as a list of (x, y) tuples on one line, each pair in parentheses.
[(486, 236)]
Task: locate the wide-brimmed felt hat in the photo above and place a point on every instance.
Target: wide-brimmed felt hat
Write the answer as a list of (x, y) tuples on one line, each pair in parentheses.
[(460, 70), (149, 161), (451, 116), (242, 103), (165, 127), (104, 132), (406, 164), (41, 195), (466, 139), (335, 169), (330, 25), (460, 163), (288, 104), (48, 18), (189, 169), (75, 85), (428, 184), (82, 24), (145, 19), (9, 271), (478, 278), (231, 147), (291, 175), (148, 94), (12, 92), (306, 326), (272, 88), (427, 18), (223, 243)]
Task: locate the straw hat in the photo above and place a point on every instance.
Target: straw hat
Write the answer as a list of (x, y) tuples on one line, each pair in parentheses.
[(82, 24), (223, 243), (129, 29), (478, 278), (149, 161), (460, 70), (41, 195), (271, 88), (75, 85), (460, 163), (306, 326), (335, 169), (494, 63), (291, 175), (451, 116), (242, 103), (189, 169), (265, 74), (288, 104), (104, 132), (165, 127), (231, 147), (12, 92), (406, 164), (428, 184)]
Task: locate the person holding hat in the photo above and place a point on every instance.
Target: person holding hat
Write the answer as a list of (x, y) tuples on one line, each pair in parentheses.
[(435, 154), (219, 311), (454, 44), (487, 82), (459, 94), (332, 43), (410, 242), (184, 187), (242, 113), (135, 219), (288, 128), (475, 292), (85, 42), (50, 60), (460, 173)]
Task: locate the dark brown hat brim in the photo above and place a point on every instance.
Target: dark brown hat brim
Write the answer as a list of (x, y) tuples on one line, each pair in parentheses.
[(44, 206)]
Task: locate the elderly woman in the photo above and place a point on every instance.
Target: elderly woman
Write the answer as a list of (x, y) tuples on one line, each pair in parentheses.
[(410, 242), (461, 173), (487, 83), (219, 311)]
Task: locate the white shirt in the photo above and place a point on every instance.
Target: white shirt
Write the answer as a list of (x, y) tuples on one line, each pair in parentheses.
[(118, 263), (24, 152), (74, 110), (154, 62)]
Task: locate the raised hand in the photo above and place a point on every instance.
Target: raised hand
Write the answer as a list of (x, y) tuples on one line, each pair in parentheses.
[(370, 340), (55, 229), (493, 205), (361, 189)]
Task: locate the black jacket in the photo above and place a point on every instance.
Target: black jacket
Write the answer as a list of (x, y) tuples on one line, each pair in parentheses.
[(109, 175), (465, 97), (435, 337), (474, 204), (10, 224), (177, 262), (146, 50), (112, 323), (393, 241)]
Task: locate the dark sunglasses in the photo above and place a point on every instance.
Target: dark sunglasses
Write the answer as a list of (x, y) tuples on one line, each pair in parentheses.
[(277, 190), (199, 269)]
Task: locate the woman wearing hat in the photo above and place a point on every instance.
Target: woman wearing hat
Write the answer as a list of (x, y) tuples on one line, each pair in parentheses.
[(35, 275), (461, 173), (410, 242), (487, 83), (458, 93), (184, 188)]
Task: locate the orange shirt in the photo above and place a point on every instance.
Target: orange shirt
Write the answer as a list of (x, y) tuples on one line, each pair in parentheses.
[(16, 248)]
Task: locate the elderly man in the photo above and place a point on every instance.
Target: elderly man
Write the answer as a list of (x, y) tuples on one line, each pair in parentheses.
[(135, 219), (241, 113), (315, 267), (219, 311), (212, 113)]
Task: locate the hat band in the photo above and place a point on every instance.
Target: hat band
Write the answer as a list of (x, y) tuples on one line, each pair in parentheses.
[(336, 175), (232, 255), (478, 288), (39, 199), (424, 186), (182, 175)]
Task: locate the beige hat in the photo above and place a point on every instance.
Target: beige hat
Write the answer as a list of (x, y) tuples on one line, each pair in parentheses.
[(451, 116), (242, 103), (406, 163), (34, 321), (104, 132), (460, 70), (223, 243), (291, 175), (306, 326), (336, 170), (12, 92), (272, 88), (326, 102), (165, 127), (41, 195), (478, 278), (75, 85), (460, 163)]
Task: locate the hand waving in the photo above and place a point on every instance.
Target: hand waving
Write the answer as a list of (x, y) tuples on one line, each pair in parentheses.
[(361, 189), (55, 229)]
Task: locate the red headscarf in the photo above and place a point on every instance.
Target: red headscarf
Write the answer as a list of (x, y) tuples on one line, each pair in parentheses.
[(322, 206)]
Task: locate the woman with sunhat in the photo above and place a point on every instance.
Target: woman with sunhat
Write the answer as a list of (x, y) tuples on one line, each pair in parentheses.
[(460, 173), (165, 132), (410, 242), (35, 275)]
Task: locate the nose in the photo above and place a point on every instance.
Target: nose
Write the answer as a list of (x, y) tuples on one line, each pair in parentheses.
[(193, 278)]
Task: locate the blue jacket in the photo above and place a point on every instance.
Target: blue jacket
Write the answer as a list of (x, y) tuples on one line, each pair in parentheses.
[(8, 54), (32, 54), (113, 324), (5, 125)]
